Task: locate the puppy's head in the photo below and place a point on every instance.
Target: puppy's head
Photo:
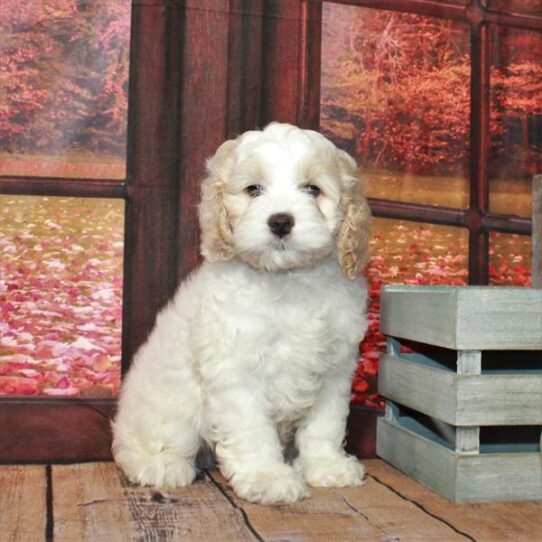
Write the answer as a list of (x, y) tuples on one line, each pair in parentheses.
[(283, 198)]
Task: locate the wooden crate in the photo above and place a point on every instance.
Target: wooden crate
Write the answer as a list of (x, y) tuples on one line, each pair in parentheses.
[(464, 401)]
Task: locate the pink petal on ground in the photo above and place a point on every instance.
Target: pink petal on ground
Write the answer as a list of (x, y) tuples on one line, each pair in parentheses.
[(29, 373), (8, 341), (63, 383), (84, 344), (18, 358), (61, 392)]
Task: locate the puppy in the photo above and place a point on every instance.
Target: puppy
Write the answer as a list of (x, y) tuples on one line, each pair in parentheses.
[(257, 348)]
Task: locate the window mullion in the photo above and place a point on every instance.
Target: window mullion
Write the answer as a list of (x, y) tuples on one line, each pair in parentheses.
[(479, 145)]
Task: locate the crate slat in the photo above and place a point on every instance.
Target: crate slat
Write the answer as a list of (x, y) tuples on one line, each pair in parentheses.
[(464, 318), (466, 400), (426, 389), (460, 477)]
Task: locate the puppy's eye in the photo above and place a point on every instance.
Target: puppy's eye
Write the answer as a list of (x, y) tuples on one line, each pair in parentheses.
[(312, 190), (254, 190)]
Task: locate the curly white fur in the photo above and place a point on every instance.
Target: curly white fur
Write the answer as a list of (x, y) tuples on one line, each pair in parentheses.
[(258, 346)]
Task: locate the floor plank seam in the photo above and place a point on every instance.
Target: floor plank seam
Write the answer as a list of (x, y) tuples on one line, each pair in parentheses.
[(49, 522), (361, 514), (423, 509), (243, 513)]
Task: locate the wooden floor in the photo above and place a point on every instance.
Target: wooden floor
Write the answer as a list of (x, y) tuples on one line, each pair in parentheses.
[(94, 502)]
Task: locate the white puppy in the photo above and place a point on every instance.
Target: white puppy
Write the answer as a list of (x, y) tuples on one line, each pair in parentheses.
[(258, 346)]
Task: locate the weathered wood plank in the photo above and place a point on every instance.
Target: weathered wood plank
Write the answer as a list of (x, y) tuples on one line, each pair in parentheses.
[(494, 318), (94, 501), (400, 314), (325, 516), (487, 477), (482, 522), (487, 399), (494, 399), (23, 509), (461, 318), (398, 518), (424, 460), (427, 389), (499, 477)]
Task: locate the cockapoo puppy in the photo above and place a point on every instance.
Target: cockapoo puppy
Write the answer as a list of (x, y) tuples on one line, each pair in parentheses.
[(258, 347)]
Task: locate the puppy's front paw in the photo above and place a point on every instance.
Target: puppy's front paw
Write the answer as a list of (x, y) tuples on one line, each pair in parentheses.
[(334, 471), (272, 484), (157, 470)]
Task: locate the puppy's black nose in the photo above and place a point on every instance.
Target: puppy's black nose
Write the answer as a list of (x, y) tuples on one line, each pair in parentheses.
[(281, 224)]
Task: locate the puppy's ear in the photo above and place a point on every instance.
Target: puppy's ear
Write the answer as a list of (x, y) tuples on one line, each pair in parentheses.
[(216, 233), (354, 232)]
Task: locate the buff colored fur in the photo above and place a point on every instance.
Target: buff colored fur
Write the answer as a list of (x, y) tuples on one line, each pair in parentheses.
[(257, 349)]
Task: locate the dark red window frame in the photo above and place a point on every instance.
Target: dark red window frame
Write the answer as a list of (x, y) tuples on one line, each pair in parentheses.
[(202, 71)]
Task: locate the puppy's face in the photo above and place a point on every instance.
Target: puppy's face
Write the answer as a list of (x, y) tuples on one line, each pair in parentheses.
[(280, 196), (282, 202)]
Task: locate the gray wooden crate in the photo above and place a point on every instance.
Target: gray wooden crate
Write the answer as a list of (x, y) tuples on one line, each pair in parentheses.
[(471, 328)]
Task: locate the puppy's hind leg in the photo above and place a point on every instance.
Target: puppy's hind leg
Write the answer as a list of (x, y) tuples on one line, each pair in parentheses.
[(156, 431)]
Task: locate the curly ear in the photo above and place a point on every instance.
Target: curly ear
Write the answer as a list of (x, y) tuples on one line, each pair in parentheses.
[(354, 232), (216, 233)]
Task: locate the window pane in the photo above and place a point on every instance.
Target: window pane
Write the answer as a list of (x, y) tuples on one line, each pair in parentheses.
[(405, 253), (516, 118), (64, 80), (395, 94), (510, 259), (60, 295)]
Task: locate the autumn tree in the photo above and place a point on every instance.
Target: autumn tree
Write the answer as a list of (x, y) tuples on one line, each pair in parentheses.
[(516, 102), (64, 70), (396, 89)]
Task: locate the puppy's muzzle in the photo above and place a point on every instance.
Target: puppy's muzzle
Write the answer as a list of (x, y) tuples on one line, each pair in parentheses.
[(281, 224)]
